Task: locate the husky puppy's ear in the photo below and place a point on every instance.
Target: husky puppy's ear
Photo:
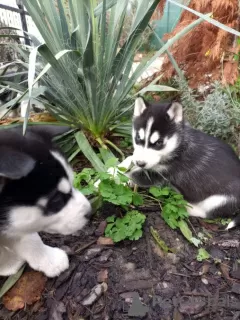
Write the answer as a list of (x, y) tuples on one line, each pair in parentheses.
[(14, 164), (140, 106), (175, 112)]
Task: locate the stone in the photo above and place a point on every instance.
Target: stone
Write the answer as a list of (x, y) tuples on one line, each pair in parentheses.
[(91, 253), (105, 255), (191, 306), (102, 275)]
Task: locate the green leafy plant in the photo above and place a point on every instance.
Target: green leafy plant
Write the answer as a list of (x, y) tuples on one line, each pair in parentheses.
[(113, 188), (128, 227), (202, 254), (174, 211), (173, 205), (85, 70), (108, 187)]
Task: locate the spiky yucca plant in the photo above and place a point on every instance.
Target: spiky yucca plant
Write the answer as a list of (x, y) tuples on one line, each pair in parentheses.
[(86, 72)]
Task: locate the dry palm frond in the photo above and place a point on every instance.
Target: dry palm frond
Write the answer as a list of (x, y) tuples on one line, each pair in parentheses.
[(200, 52)]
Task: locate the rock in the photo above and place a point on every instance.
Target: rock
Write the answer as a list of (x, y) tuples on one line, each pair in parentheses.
[(105, 241), (173, 258), (138, 274), (216, 253), (105, 255), (228, 243), (91, 253), (157, 250), (165, 289), (101, 228), (95, 294), (57, 310), (191, 306), (102, 275), (129, 266), (137, 309), (137, 285), (236, 288), (204, 280), (127, 295)]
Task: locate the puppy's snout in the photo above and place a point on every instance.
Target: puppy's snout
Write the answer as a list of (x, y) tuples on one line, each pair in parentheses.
[(141, 164)]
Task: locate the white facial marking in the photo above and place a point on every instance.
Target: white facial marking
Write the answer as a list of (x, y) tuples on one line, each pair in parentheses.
[(141, 133), (64, 186), (70, 219), (42, 202), (154, 137), (148, 130), (65, 165), (201, 209), (139, 107), (153, 157)]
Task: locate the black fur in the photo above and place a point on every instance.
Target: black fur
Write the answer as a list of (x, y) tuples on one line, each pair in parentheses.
[(199, 167), (28, 170)]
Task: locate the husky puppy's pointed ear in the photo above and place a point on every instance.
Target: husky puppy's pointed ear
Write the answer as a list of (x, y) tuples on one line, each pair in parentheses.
[(175, 112), (140, 106), (14, 164)]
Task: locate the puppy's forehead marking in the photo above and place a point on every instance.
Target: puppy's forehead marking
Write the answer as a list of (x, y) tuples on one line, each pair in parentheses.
[(64, 186), (141, 133), (148, 130), (64, 163), (154, 137)]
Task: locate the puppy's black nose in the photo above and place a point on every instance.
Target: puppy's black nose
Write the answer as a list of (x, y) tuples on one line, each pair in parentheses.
[(141, 164)]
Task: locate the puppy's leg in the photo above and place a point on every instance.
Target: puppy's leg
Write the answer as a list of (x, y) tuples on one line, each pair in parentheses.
[(10, 262), (40, 257), (216, 206)]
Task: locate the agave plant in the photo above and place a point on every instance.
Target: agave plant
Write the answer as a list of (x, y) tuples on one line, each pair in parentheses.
[(85, 74)]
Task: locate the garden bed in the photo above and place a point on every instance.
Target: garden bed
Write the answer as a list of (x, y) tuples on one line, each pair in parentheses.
[(170, 285)]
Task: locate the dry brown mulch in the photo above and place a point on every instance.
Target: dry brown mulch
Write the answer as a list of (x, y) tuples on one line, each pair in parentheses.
[(167, 286)]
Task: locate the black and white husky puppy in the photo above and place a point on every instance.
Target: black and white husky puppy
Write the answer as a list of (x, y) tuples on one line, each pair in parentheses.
[(36, 194), (205, 170)]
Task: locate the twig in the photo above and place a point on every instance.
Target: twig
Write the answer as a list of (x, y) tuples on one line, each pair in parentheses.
[(184, 275), (202, 314), (196, 294), (85, 246)]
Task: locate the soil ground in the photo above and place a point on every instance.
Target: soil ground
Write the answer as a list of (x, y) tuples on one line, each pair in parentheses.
[(140, 280)]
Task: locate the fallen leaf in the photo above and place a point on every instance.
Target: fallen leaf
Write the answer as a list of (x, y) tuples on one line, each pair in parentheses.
[(101, 228), (209, 226), (105, 241), (9, 283), (27, 290), (102, 275)]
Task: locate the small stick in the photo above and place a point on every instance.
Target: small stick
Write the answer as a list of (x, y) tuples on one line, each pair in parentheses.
[(85, 246)]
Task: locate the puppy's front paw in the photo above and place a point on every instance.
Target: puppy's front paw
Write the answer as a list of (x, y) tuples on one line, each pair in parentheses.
[(10, 263), (52, 263)]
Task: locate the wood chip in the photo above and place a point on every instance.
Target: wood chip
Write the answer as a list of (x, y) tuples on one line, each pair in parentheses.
[(105, 241)]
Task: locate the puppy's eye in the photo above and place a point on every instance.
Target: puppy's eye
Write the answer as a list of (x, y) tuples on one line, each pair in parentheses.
[(138, 137), (158, 143), (57, 202)]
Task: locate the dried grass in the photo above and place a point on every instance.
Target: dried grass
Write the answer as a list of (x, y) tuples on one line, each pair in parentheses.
[(202, 51)]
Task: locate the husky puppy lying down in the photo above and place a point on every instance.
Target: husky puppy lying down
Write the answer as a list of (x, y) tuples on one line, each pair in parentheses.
[(36, 194), (205, 170)]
